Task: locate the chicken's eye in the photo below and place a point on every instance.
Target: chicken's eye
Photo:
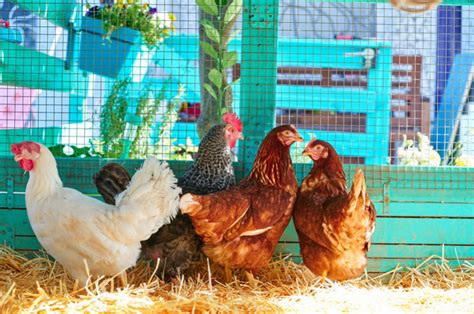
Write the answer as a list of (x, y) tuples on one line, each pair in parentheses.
[(287, 133)]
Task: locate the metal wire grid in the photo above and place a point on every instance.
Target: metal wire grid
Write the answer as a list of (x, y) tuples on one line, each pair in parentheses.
[(362, 106)]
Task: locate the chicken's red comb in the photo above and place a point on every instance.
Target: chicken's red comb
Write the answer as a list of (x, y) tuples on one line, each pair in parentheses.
[(28, 145), (232, 119)]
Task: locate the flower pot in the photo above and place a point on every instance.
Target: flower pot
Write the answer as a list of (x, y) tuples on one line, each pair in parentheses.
[(123, 54)]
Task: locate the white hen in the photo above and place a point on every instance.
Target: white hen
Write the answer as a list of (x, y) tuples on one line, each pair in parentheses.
[(76, 229)]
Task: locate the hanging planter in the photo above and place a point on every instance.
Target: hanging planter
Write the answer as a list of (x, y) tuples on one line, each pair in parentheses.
[(119, 39), (122, 53)]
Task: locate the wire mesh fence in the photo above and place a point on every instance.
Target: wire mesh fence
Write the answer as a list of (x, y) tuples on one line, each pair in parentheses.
[(97, 80)]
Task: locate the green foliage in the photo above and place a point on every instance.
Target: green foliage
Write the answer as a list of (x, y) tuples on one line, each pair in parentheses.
[(233, 10), (230, 58), (62, 150), (165, 147), (154, 27), (113, 124), (215, 77), (217, 33), (211, 32), (147, 108), (210, 90), (208, 6), (459, 158), (209, 50), (112, 120)]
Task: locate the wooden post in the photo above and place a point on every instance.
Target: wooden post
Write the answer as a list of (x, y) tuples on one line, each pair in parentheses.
[(380, 82), (258, 75)]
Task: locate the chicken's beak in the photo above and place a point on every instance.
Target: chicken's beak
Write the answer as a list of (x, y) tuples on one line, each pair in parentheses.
[(241, 136), (306, 153), (297, 137)]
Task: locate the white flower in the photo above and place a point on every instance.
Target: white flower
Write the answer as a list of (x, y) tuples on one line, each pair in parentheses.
[(464, 161), (422, 154), (162, 20), (434, 158)]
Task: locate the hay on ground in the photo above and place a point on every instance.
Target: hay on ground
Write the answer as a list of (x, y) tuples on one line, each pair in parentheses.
[(41, 285)]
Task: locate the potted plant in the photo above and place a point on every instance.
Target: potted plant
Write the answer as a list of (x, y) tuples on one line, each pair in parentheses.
[(119, 38)]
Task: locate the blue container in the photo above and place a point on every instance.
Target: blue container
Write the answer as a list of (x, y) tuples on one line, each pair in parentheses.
[(11, 35), (124, 54)]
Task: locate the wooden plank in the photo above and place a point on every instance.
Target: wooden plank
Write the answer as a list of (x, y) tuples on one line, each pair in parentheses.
[(258, 74), (426, 196), (18, 220), (325, 53), (378, 122), (399, 251), (452, 184), (396, 230), (395, 209), (376, 264), (59, 12), (423, 210), (383, 265), (424, 231), (29, 68), (348, 100), (29, 243)]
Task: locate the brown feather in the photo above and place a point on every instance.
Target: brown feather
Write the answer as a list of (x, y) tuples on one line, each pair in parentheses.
[(241, 226), (334, 226)]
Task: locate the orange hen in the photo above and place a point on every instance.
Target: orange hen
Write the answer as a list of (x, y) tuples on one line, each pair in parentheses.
[(334, 226), (241, 226)]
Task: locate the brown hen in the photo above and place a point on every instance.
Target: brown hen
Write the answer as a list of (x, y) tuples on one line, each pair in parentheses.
[(241, 226), (334, 226)]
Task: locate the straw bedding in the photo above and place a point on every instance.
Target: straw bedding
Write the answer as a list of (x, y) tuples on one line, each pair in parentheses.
[(41, 285)]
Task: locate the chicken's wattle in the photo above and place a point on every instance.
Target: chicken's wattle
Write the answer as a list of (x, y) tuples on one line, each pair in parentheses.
[(26, 164)]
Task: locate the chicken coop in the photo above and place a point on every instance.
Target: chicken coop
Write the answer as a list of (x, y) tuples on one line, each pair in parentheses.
[(388, 83)]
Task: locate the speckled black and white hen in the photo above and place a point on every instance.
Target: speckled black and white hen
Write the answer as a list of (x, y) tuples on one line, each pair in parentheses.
[(176, 244)]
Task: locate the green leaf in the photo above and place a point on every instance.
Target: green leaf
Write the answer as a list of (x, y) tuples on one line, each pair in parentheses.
[(207, 22), (208, 6), (210, 90), (232, 11), (211, 32), (209, 50), (224, 110), (215, 77), (230, 58)]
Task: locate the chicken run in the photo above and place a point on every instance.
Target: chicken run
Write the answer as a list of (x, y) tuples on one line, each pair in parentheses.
[(236, 156)]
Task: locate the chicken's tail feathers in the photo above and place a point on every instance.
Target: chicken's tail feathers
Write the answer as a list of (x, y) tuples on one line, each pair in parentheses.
[(152, 198), (110, 181), (188, 204), (358, 194)]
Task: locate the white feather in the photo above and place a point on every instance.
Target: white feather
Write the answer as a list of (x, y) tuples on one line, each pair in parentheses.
[(74, 228)]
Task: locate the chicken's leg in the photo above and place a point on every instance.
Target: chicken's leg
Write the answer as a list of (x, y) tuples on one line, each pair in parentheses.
[(227, 274)]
